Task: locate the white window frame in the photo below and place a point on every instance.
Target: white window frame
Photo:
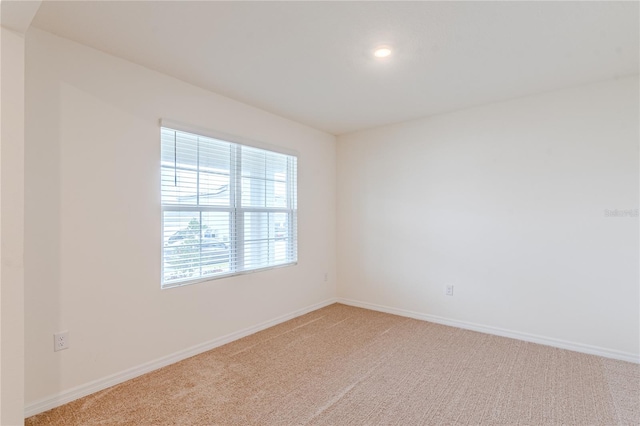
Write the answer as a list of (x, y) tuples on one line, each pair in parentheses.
[(236, 210)]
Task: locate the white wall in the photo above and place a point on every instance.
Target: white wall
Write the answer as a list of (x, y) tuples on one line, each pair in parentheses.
[(506, 202), (92, 241), (12, 228)]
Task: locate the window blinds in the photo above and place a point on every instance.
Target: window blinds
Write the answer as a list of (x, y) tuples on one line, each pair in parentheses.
[(226, 208)]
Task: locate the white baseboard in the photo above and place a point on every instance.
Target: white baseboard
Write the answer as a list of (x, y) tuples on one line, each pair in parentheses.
[(548, 341), (114, 379)]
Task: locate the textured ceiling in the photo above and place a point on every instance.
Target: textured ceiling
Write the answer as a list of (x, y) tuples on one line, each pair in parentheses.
[(312, 62)]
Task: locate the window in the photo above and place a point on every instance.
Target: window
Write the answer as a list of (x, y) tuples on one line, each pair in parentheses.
[(226, 208)]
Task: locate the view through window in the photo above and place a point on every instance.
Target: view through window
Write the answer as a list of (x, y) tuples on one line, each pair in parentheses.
[(226, 208)]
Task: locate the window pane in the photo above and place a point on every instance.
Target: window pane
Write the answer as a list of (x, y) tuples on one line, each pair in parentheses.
[(253, 192), (195, 170), (216, 243), (183, 189), (214, 167), (214, 189), (277, 194), (276, 167), (253, 162), (179, 154), (266, 239), (167, 147), (195, 247), (181, 249), (264, 178)]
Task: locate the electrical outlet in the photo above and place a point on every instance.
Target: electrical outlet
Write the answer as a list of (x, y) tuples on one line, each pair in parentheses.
[(61, 341), (449, 290)]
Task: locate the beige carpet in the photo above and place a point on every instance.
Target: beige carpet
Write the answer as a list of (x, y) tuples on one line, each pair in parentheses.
[(347, 366)]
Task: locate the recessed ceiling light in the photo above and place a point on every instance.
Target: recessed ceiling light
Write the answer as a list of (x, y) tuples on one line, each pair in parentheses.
[(382, 51)]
